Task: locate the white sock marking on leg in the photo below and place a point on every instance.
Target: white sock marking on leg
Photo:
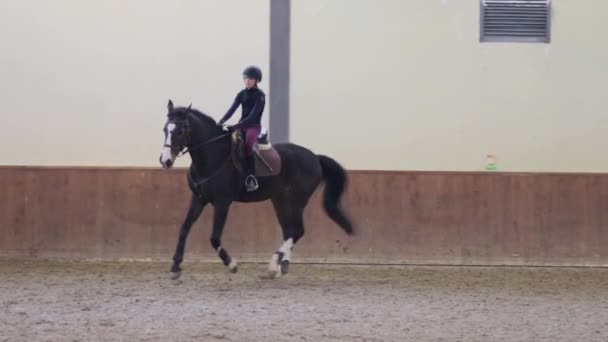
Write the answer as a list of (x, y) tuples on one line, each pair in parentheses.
[(286, 249), (273, 266), (233, 264)]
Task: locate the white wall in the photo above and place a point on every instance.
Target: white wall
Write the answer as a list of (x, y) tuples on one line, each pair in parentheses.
[(406, 85), (87, 82)]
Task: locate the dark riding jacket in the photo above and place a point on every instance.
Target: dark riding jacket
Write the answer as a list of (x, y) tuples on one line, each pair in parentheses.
[(253, 101)]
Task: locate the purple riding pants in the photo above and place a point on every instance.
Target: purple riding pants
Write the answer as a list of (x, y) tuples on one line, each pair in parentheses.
[(251, 136)]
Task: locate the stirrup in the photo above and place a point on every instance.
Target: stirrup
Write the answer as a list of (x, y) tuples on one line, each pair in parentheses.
[(251, 183)]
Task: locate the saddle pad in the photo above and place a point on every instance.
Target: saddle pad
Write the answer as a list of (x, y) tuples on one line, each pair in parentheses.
[(267, 162)]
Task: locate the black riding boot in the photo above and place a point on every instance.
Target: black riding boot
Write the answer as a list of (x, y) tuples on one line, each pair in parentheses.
[(251, 182)]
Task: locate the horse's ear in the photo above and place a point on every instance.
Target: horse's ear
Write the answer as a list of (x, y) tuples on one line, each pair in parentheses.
[(190, 106), (170, 106)]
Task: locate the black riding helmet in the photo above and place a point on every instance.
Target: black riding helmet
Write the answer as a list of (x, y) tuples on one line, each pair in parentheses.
[(253, 72)]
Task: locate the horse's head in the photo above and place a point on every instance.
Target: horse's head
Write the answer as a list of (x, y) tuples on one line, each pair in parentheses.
[(177, 134)]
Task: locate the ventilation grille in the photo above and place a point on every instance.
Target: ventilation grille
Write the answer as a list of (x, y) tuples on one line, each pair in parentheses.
[(515, 20)]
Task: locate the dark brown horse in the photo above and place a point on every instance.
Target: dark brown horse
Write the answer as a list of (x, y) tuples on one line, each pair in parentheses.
[(215, 178)]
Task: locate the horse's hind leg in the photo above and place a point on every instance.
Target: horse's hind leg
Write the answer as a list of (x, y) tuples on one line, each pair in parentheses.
[(291, 220), (194, 212), (219, 219)]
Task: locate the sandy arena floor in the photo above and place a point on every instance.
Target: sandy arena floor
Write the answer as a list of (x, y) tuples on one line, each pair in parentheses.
[(85, 301)]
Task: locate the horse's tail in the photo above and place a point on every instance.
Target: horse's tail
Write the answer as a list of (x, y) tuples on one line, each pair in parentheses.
[(335, 183)]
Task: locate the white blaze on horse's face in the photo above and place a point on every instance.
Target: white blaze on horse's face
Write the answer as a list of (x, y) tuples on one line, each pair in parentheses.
[(167, 157)]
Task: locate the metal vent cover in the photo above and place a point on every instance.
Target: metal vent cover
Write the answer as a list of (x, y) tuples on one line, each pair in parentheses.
[(515, 21)]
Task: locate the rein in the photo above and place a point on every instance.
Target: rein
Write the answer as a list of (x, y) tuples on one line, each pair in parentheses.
[(199, 186), (204, 143)]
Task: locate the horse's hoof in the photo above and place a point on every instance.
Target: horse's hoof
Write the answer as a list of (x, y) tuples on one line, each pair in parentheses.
[(284, 266), (176, 275), (233, 267)]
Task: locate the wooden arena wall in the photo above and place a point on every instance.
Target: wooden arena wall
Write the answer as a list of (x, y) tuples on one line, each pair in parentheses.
[(400, 217)]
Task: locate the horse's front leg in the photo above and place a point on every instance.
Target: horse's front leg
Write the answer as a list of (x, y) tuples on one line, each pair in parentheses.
[(219, 219), (194, 212)]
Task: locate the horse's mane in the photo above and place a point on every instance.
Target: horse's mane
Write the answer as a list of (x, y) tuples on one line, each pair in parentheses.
[(202, 116), (183, 111)]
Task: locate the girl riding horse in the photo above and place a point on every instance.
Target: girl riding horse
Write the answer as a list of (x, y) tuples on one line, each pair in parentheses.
[(252, 99)]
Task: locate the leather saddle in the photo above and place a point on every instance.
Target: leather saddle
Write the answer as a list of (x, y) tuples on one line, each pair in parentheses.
[(267, 159)]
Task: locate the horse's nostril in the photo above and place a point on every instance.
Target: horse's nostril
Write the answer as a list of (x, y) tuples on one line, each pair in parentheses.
[(168, 163)]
